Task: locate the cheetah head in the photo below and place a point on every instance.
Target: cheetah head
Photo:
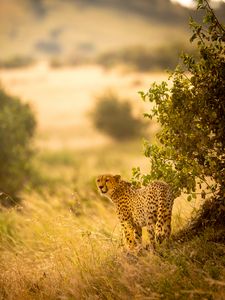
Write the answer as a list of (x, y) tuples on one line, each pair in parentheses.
[(107, 183)]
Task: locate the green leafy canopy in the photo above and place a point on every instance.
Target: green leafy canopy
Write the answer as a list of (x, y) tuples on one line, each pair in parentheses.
[(17, 127), (113, 116), (191, 144)]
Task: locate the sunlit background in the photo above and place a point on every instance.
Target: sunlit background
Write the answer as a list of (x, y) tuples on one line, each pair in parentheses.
[(60, 55), (192, 3)]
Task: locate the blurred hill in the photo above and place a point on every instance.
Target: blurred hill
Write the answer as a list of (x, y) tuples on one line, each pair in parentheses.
[(155, 9), (76, 30), (163, 10)]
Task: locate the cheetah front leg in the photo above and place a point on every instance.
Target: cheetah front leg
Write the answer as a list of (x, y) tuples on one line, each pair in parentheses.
[(138, 234), (163, 227), (129, 233), (151, 232)]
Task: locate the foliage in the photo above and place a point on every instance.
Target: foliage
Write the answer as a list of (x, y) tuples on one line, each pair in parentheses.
[(191, 149), (17, 126), (114, 117)]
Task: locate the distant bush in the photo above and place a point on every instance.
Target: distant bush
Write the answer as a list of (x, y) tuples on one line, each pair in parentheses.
[(140, 58), (16, 62), (17, 125), (56, 63), (114, 117), (48, 46)]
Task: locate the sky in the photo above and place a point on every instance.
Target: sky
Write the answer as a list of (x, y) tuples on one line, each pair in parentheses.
[(187, 3), (190, 3)]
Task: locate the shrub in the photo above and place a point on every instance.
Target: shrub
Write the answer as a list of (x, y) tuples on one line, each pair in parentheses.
[(192, 115), (113, 116), (17, 126)]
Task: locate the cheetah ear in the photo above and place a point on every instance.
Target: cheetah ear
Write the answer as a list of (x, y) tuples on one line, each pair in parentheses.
[(117, 177)]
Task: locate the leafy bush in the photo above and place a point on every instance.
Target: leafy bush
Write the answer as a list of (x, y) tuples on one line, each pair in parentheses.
[(114, 117), (191, 152), (17, 126)]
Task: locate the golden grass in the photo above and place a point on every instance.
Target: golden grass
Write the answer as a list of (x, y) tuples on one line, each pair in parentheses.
[(54, 254), (64, 241)]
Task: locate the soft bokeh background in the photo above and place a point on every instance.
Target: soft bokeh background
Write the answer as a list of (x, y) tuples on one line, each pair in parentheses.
[(59, 55), (59, 47)]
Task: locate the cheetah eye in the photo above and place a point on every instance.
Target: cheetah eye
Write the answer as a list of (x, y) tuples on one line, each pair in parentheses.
[(98, 180), (107, 180)]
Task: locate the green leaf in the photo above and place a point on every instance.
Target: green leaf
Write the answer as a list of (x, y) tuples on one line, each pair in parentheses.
[(193, 37)]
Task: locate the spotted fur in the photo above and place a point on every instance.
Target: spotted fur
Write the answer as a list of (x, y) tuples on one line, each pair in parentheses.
[(149, 206)]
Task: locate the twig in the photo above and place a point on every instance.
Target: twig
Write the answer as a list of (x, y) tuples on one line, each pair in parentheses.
[(216, 19), (199, 292), (215, 282), (7, 196)]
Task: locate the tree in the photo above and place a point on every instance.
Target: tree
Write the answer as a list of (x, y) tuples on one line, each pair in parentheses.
[(113, 116), (191, 148), (17, 125)]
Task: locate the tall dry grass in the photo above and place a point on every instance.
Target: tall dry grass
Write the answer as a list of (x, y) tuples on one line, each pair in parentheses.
[(64, 242)]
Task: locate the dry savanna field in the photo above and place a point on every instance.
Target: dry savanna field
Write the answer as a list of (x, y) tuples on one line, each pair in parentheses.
[(63, 241)]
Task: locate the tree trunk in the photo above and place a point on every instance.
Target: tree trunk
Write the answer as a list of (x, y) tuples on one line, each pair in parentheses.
[(211, 216)]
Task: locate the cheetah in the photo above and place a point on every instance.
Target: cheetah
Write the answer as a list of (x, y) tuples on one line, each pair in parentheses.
[(149, 206)]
